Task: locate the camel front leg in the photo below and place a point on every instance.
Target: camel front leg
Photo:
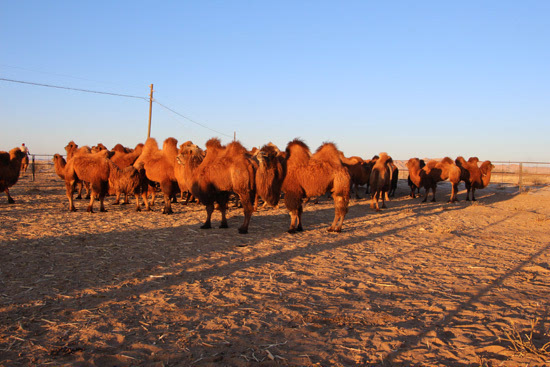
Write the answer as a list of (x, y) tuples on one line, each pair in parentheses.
[(91, 204), (10, 199), (209, 210), (69, 188), (248, 209)]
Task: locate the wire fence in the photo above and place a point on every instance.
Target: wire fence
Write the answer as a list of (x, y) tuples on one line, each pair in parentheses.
[(515, 173)]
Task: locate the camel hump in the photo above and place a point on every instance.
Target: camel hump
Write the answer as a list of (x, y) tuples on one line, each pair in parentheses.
[(297, 144), (170, 143), (119, 148), (4, 158), (473, 160), (214, 144), (460, 161), (235, 148), (447, 160), (328, 152)]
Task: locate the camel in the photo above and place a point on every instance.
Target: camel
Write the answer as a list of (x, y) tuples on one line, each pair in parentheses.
[(380, 179), (127, 181), (411, 184), (159, 167), (312, 175), (93, 168), (474, 177), (432, 173), (182, 177), (123, 158), (10, 168), (394, 179), (359, 172), (270, 175), (223, 170)]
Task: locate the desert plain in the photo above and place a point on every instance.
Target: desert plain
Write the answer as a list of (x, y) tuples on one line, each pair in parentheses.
[(417, 284)]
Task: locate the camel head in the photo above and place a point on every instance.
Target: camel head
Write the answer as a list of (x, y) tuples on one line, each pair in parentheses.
[(189, 152)]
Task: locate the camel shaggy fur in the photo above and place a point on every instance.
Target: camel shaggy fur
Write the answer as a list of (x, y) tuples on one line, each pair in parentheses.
[(223, 170), (434, 172), (10, 169), (394, 178), (380, 178), (312, 175), (159, 167), (270, 175), (474, 177)]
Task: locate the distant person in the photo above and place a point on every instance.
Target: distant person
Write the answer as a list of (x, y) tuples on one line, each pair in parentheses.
[(24, 149), (25, 161)]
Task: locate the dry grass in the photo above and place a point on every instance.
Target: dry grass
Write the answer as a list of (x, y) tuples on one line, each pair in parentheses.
[(534, 340)]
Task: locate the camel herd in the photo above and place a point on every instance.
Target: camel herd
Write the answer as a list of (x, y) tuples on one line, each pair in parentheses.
[(212, 175)]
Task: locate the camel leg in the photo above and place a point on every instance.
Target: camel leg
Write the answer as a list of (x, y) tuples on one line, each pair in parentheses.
[(91, 204), (167, 205), (138, 207), (248, 209), (126, 199), (433, 193), (474, 194), (340, 211), (10, 199), (117, 201), (384, 198), (88, 190), (145, 201), (209, 210), (357, 191), (69, 190), (256, 200)]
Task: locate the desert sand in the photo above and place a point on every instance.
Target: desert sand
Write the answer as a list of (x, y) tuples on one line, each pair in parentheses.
[(434, 284)]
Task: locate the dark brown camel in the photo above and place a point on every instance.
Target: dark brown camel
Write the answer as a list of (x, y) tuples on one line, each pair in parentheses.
[(10, 169)]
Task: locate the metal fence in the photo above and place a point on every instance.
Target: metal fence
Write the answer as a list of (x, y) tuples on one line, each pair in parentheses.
[(521, 174)]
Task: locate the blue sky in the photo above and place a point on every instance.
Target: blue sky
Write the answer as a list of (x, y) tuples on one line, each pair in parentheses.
[(411, 78)]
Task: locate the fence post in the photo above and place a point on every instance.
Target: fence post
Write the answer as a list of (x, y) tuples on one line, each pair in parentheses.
[(33, 170), (520, 180)]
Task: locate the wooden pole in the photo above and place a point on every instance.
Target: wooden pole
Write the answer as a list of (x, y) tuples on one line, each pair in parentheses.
[(234, 136), (150, 112)]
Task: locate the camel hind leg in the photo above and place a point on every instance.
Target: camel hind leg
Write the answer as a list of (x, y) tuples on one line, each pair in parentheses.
[(10, 199), (209, 210), (340, 211), (248, 209)]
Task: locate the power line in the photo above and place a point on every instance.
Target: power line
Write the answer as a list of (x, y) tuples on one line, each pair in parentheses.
[(118, 95), (76, 89), (187, 118)]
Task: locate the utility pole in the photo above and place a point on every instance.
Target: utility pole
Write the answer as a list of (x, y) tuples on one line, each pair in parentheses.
[(150, 112)]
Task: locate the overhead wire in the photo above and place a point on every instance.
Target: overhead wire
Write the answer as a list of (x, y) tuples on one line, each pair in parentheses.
[(76, 89), (191, 120), (118, 95)]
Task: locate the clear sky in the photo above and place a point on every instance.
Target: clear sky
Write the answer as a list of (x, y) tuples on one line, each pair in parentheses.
[(411, 78)]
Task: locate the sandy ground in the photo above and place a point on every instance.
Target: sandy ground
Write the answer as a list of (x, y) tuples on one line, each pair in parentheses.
[(436, 284)]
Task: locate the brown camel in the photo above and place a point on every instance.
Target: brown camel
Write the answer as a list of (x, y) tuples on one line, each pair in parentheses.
[(394, 178), (359, 172), (127, 181), (10, 168), (380, 179), (92, 168), (124, 157), (223, 170), (159, 167), (411, 184), (312, 175), (474, 177), (270, 175), (182, 176), (434, 172)]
